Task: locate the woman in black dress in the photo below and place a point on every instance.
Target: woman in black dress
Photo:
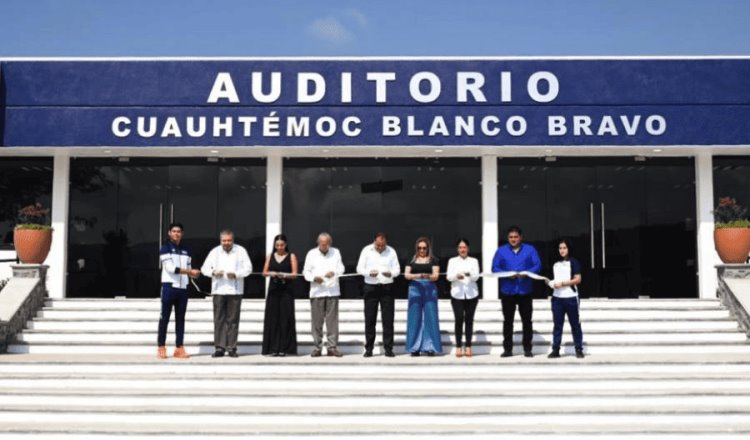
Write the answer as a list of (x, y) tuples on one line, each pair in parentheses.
[(279, 326)]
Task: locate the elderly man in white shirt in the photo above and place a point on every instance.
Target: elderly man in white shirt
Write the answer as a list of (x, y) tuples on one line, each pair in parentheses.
[(463, 273), (378, 264), (322, 269), (228, 265)]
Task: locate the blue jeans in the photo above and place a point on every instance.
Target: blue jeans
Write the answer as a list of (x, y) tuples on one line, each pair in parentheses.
[(177, 298), (422, 323), (560, 308)]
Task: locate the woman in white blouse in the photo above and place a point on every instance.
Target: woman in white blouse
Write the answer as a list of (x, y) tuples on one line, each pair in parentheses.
[(463, 273)]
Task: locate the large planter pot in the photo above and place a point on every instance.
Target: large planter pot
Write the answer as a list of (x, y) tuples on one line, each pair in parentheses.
[(32, 245), (732, 244)]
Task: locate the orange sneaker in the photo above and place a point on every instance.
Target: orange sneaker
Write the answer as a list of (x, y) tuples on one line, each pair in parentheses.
[(161, 352), (180, 353), (467, 352)]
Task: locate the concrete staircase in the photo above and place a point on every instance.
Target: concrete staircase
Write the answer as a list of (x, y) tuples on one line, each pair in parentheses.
[(675, 368), (610, 327)]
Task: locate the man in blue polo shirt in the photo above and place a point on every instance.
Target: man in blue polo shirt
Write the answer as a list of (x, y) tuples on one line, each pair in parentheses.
[(516, 291)]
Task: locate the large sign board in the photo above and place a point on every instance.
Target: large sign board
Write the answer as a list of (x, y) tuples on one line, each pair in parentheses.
[(376, 102)]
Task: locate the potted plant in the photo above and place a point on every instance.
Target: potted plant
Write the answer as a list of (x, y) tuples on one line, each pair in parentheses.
[(732, 231), (32, 236)]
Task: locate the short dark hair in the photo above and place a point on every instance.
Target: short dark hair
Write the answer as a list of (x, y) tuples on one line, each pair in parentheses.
[(175, 225), (380, 234), (462, 239), (514, 228)]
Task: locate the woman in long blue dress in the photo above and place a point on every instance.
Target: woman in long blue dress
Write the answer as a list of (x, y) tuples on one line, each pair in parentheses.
[(422, 324)]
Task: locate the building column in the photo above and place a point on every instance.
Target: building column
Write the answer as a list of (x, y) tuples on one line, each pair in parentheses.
[(57, 260), (704, 204), (489, 224), (274, 200)]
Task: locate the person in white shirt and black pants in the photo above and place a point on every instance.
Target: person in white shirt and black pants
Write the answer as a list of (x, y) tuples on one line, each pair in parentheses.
[(463, 273), (228, 265), (378, 264), (567, 276), (322, 269)]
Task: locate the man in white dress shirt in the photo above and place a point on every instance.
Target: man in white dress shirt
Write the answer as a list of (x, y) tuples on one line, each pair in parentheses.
[(378, 264), (228, 265), (322, 269)]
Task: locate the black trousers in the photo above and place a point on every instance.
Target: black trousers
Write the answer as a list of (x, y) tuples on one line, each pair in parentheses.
[(525, 309), (463, 312), (378, 295), (226, 320)]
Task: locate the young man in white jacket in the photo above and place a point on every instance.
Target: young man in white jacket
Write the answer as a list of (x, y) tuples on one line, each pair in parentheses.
[(228, 265), (323, 266)]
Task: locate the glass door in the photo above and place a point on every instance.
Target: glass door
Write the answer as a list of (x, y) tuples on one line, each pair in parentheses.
[(143, 214), (120, 211), (619, 219), (631, 222)]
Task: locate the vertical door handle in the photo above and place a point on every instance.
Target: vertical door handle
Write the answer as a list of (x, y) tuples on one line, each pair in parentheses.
[(161, 227), (604, 248), (591, 226), (171, 213)]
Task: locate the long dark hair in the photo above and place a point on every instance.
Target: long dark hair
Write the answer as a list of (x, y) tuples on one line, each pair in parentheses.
[(566, 242), (281, 237)]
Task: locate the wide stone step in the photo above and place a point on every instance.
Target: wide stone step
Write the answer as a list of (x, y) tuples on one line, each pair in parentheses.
[(444, 312), (365, 406), (589, 326), (305, 367), (305, 337), (354, 347), (355, 304), (211, 423), (354, 385)]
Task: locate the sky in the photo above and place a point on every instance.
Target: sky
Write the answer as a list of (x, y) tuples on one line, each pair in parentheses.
[(36, 28)]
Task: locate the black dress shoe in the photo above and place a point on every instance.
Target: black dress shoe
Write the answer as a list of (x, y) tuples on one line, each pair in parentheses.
[(506, 354), (579, 353), (233, 353), (414, 354), (389, 353), (218, 353), (528, 354), (368, 353), (430, 353), (554, 354)]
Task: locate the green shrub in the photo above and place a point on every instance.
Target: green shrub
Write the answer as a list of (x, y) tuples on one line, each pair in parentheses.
[(734, 224)]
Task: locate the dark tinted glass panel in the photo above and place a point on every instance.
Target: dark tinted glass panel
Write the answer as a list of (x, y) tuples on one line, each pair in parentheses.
[(732, 178), (242, 208), (22, 183), (96, 246), (406, 198), (120, 211), (631, 222)]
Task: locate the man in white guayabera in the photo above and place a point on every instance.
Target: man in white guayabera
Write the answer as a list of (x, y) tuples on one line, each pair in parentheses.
[(228, 265), (322, 269)]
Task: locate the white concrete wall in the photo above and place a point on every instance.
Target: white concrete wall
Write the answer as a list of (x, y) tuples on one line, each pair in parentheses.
[(274, 202), (704, 205), (489, 223), (58, 256)]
